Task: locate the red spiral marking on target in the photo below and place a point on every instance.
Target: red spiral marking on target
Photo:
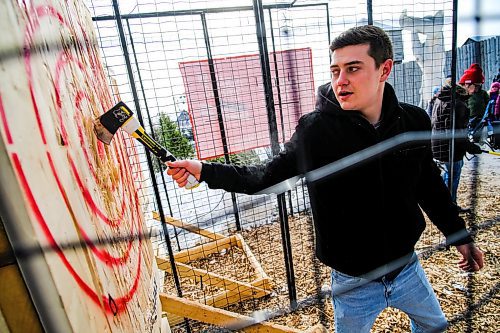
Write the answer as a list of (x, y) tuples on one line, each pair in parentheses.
[(90, 201), (40, 11), (101, 300), (4, 122), (95, 64), (62, 60), (81, 95), (104, 256)]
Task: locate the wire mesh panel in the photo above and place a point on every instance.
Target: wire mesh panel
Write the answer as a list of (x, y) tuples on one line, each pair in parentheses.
[(158, 46)]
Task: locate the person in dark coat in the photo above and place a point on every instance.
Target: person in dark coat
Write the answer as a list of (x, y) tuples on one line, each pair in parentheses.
[(442, 123), (367, 218)]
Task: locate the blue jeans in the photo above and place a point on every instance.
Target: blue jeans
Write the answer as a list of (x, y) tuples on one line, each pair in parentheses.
[(356, 309), (457, 170)]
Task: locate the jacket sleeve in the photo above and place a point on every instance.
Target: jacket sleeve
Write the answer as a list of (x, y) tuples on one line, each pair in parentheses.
[(435, 199), (462, 115), (486, 97), (428, 110), (250, 179)]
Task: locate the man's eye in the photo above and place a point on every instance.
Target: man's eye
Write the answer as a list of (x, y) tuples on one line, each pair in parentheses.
[(353, 69), (335, 73)]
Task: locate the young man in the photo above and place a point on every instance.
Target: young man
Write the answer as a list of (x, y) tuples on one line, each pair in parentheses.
[(367, 218)]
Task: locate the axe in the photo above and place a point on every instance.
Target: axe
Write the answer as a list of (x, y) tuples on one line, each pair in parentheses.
[(120, 116)]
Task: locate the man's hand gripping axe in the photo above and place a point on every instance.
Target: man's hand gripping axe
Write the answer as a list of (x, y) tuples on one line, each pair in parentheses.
[(120, 116)]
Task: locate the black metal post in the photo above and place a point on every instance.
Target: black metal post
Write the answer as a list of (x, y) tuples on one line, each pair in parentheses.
[(369, 10), (150, 124), (287, 249), (273, 133), (148, 156), (278, 90), (220, 118), (328, 31), (196, 11), (453, 90), (477, 25), (276, 73), (266, 75)]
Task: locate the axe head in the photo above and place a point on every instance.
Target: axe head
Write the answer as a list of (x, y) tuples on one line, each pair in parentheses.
[(109, 122)]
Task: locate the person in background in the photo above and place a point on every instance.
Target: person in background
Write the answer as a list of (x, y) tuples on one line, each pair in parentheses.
[(495, 96), (472, 80), (367, 218), (441, 122), (497, 77), (435, 92), (447, 80)]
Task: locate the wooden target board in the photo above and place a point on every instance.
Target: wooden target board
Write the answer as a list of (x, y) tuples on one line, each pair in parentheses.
[(75, 189)]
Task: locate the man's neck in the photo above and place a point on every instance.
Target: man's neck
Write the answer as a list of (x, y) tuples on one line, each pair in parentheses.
[(374, 112), (373, 117)]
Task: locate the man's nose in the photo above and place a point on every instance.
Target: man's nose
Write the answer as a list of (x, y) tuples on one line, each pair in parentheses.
[(342, 80)]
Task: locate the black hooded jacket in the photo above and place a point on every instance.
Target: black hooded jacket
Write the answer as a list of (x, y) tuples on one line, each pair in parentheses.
[(441, 123), (366, 215)]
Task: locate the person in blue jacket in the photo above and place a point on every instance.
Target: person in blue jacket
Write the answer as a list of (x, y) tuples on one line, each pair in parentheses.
[(430, 105), (367, 218)]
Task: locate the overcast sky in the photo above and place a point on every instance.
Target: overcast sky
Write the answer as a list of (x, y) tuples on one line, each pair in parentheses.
[(488, 11)]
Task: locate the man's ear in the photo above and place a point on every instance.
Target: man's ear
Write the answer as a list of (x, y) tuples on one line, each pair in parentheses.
[(386, 69)]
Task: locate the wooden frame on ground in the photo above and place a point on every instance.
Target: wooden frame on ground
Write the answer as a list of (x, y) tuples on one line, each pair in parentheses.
[(234, 291)]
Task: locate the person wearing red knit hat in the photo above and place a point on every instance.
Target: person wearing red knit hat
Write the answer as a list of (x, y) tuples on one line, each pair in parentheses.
[(471, 80), (472, 75)]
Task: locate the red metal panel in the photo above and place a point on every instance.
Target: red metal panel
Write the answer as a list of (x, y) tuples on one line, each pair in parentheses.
[(243, 102)]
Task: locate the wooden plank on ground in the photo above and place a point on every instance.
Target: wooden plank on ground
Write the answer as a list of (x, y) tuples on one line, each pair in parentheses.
[(253, 261), (222, 318), (189, 227), (232, 296), (202, 251), (212, 279)]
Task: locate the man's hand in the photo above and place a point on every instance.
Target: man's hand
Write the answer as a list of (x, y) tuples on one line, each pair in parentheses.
[(180, 170), (472, 257)]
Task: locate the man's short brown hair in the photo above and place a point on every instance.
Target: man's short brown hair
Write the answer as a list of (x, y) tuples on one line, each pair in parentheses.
[(380, 43)]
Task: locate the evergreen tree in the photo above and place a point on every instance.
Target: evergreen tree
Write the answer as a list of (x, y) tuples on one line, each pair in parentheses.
[(168, 135), (242, 158)]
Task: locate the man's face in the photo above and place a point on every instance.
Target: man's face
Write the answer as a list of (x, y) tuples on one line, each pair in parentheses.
[(356, 81)]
